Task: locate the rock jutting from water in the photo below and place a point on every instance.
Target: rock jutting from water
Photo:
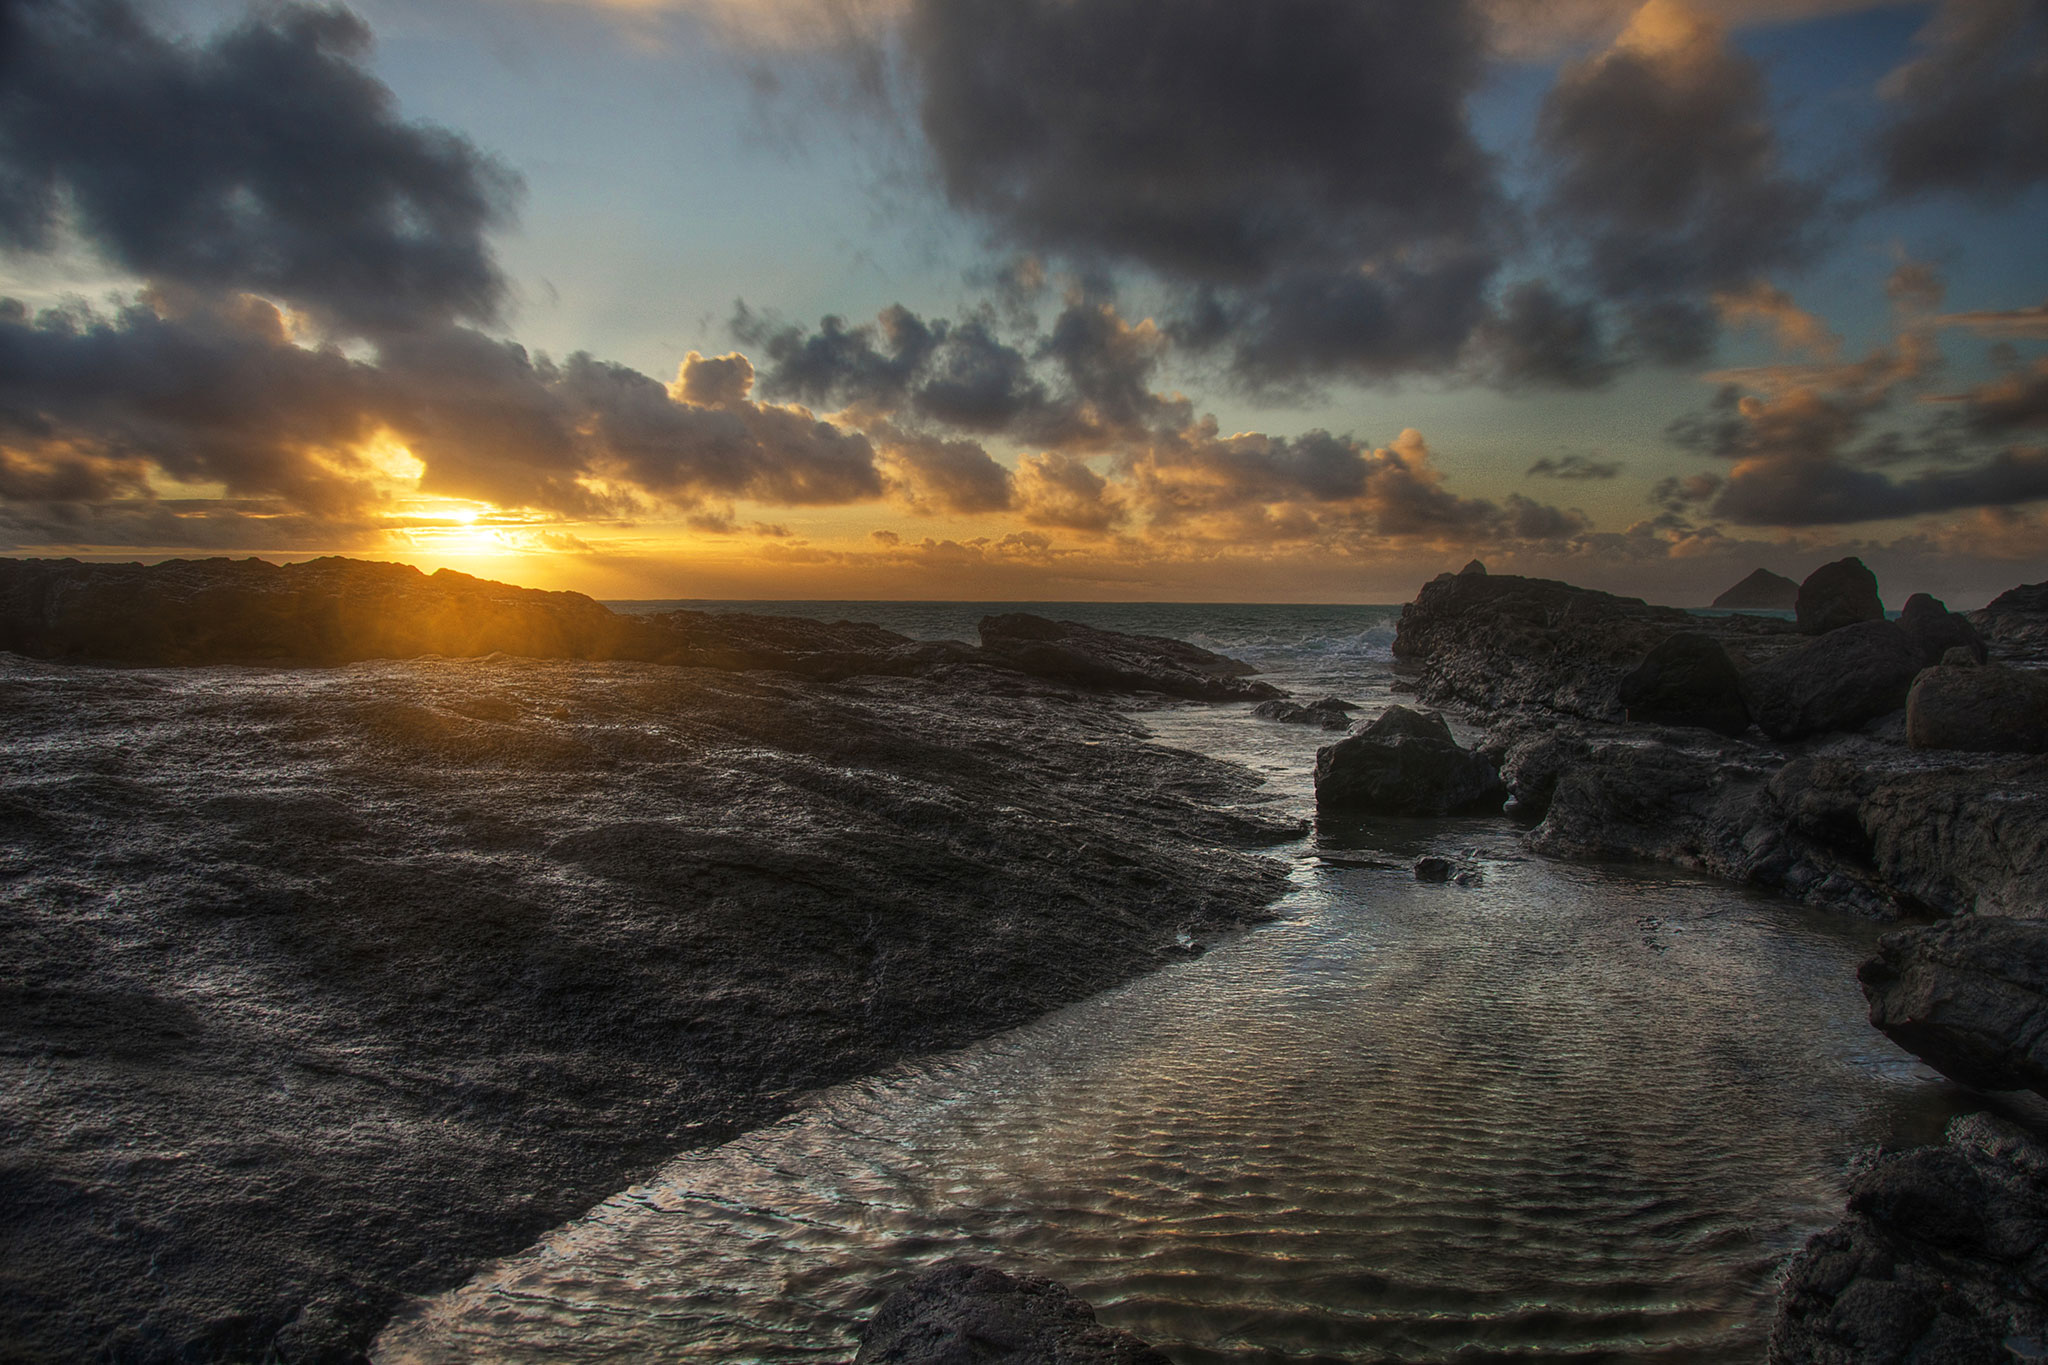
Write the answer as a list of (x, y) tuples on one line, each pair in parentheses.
[(1828, 803), (1405, 763), (1835, 595), (325, 983), (1761, 591), (960, 1313)]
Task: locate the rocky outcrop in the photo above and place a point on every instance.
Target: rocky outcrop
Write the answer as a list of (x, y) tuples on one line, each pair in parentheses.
[(2016, 622), (1499, 643), (1943, 1257), (1686, 680), (1473, 566), (1848, 677), (1405, 763), (1969, 997), (1935, 630), (1992, 709), (336, 611), (1836, 595), (1082, 656), (1761, 591), (959, 1313), (334, 982), (1329, 713)]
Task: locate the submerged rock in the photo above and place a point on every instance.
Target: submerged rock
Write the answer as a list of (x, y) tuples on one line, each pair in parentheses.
[(1969, 997), (1406, 763), (1993, 709), (1328, 712), (1433, 869), (1841, 681), (1068, 652), (1943, 1257), (1687, 680), (1761, 591), (959, 1313), (1836, 595), (1936, 630)]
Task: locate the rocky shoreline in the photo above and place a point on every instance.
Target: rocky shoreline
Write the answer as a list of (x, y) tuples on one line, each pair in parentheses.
[(1887, 768), (328, 983)]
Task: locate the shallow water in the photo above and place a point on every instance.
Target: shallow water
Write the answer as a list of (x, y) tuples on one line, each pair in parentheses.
[(1573, 1112)]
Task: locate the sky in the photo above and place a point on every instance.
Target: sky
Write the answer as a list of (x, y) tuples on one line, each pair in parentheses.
[(1040, 300)]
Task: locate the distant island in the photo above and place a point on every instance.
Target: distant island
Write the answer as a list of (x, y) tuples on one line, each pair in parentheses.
[(1761, 591)]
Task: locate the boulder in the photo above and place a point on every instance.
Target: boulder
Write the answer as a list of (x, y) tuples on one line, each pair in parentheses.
[(2016, 621), (1969, 997), (959, 1313), (1327, 712), (1687, 680), (1836, 595), (1082, 656), (1988, 709), (1432, 869), (1761, 591), (1940, 1259), (1530, 762), (1406, 763), (1841, 681), (1503, 642), (1929, 624)]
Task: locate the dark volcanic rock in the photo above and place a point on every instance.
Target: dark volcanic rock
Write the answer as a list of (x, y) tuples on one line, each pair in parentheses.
[(1969, 997), (1992, 709), (2016, 622), (1687, 680), (1065, 651), (1943, 1257), (1433, 869), (1405, 763), (1935, 630), (1473, 566), (1328, 712), (1836, 595), (958, 1313), (1761, 591), (323, 985), (1846, 678), (1500, 642)]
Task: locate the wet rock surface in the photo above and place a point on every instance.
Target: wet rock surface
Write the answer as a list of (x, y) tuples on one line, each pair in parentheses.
[(1406, 763), (1328, 713), (325, 985), (1943, 1257), (1068, 652), (959, 1313), (1969, 997)]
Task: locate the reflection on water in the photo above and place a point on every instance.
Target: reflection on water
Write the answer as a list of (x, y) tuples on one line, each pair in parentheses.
[(1568, 1112)]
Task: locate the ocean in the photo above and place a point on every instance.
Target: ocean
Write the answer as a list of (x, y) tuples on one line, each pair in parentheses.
[(1578, 1112)]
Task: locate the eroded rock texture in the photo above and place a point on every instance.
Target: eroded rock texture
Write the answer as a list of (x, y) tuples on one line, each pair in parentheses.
[(1969, 997), (1406, 763), (1943, 1258), (323, 985)]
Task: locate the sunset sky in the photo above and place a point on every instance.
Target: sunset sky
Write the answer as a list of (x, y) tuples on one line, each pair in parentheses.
[(1283, 300)]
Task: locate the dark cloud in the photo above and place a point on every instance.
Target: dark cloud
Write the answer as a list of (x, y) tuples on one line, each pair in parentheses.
[(205, 524), (1671, 331), (935, 475), (1303, 170), (1207, 139), (1573, 467), (267, 159), (1666, 168), (2010, 402), (1542, 338), (1971, 115), (870, 366), (1831, 492)]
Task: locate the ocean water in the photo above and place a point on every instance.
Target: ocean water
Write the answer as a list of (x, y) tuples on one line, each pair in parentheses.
[(1570, 1112)]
